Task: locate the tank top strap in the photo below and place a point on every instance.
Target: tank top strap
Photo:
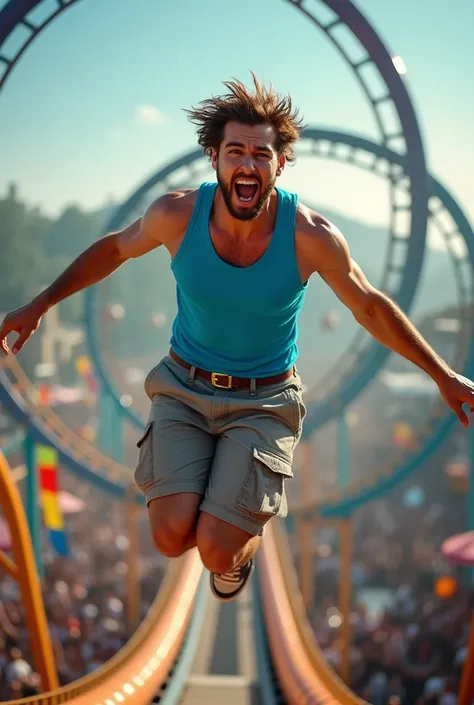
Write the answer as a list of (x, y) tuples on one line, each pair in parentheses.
[(283, 246), (200, 216), (207, 192)]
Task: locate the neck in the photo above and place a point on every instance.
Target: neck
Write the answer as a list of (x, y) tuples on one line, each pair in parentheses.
[(244, 229)]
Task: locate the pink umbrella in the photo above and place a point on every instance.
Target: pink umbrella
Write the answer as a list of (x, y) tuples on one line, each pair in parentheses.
[(459, 549)]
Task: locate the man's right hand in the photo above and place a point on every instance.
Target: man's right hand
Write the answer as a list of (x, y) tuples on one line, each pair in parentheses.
[(167, 214), (24, 321)]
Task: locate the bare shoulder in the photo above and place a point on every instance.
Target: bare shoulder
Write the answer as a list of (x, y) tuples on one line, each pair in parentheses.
[(170, 213), (173, 204), (319, 243)]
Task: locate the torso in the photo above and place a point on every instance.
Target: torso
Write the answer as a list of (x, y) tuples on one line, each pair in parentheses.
[(239, 253)]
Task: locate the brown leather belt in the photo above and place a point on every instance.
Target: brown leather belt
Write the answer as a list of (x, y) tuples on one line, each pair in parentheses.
[(221, 380)]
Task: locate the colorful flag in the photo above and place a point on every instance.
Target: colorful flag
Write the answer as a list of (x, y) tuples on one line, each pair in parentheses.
[(47, 468)]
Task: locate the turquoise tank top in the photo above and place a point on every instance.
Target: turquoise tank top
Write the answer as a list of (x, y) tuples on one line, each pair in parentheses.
[(241, 321)]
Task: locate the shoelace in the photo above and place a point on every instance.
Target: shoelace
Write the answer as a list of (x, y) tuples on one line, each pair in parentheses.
[(233, 576)]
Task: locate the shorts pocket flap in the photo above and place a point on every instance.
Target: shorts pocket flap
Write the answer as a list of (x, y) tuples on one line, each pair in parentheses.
[(145, 434), (275, 463)]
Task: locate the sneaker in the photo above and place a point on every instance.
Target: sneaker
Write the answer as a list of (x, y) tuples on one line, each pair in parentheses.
[(227, 586)]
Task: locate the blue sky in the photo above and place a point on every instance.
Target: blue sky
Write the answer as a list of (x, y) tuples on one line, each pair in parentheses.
[(95, 105)]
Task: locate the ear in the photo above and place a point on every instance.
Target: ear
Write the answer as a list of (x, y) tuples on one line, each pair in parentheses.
[(214, 157), (281, 164)]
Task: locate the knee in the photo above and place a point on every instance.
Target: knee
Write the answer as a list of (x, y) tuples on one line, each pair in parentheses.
[(219, 544), (169, 544), (215, 558), (171, 529)]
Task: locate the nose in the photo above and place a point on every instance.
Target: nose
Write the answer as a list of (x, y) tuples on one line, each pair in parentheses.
[(248, 163)]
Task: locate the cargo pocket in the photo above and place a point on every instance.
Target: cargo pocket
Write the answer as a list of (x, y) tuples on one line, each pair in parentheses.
[(263, 491), (144, 475)]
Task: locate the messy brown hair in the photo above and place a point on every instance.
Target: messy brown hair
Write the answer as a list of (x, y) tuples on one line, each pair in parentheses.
[(240, 105)]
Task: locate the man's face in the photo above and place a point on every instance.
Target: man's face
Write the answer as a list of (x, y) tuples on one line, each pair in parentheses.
[(247, 166)]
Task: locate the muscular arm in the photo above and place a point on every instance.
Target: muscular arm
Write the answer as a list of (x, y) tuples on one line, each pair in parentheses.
[(106, 255), (323, 249), (375, 311), (94, 264)]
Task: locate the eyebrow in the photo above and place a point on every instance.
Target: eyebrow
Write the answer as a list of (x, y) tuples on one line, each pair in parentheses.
[(258, 148)]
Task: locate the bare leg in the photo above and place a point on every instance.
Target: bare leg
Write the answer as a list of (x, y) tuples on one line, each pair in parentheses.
[(246, 552), (222, 546), (227, 552), (173, 521)]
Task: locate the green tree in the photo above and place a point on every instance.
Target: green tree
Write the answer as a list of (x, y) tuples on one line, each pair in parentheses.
[(23, 265), (65, 239), (70, 234)]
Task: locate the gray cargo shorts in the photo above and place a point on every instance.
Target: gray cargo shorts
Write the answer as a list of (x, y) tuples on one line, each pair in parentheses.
[(233, 448)]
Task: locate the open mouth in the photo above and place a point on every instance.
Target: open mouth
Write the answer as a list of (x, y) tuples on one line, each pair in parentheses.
[(246, 190)]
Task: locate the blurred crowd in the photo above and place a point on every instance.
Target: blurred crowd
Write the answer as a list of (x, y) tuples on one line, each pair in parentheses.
[(409, 640), (85, 598), (411, 611), (413, 654)]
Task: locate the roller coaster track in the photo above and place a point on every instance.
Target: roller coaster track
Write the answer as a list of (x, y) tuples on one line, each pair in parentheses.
[(182, 653), (359, 45), (191, 649), (166, 643), (19, 396), (150, 663), (176, 672), (163, 656)]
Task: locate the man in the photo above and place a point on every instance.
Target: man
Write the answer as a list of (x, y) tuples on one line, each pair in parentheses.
[(227, 406)]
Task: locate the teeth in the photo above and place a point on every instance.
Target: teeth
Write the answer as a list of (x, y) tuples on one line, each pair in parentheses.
[(247, 182)]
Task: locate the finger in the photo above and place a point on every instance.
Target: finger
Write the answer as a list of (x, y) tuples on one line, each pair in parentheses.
[(21, 340), (4, 332), (460, 413)]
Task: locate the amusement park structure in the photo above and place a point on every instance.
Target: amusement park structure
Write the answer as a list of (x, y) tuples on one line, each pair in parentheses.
[(162, 649)]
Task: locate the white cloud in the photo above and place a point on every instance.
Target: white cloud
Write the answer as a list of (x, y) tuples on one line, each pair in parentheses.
[(150, 115)]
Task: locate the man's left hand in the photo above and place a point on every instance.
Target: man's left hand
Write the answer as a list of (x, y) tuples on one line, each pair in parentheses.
[(457, 390)]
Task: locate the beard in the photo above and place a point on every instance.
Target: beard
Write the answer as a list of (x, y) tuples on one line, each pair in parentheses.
[(244, 212)]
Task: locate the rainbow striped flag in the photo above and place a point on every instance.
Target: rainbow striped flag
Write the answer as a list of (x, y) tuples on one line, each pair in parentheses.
[(47, 468)]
